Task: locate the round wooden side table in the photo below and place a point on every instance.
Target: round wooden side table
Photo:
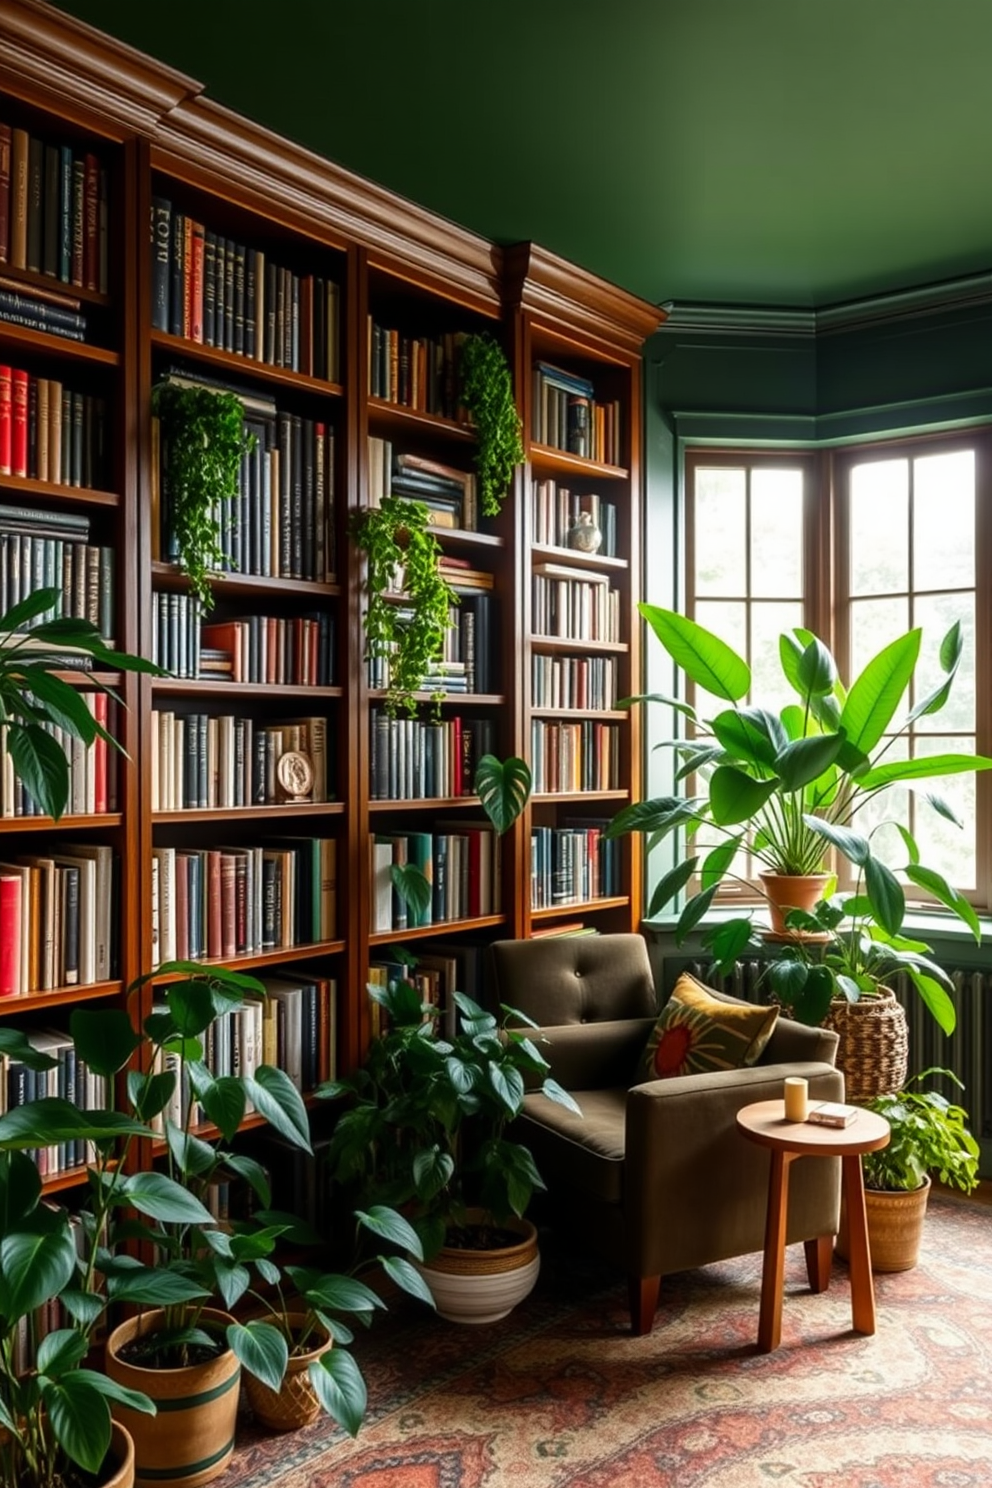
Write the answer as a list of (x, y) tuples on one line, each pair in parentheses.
[(764, 1122)]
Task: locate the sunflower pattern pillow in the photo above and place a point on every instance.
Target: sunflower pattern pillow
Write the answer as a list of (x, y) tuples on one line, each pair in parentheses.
[(697, 1032)]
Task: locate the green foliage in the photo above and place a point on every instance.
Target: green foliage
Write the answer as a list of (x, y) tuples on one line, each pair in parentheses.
[(487, 393), (789, 785), (204, 440), (427, 1126), (32, 696), (928, 1136), (408, 629), (503, 788)]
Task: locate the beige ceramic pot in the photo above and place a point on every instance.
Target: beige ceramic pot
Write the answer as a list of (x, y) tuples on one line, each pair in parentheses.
[(190, 1440), (482, 1286), (295, 1403)]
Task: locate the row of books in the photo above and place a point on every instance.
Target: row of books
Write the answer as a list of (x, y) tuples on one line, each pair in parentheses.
[(285, 651), (573, 604), (50, 433), (203, 762), (412, 759), (232, 901), (565, 415), (437, 975), (94, 771), (449, 494), (57, 912), (37, 310), (53, 209), (556, 511), (281, 522), (572, 864), (70, 1079), (217, 292), (419, 372), (49, 550), (293, 1029), (466, 663), (569, 757), (461, 862), (573, 681)]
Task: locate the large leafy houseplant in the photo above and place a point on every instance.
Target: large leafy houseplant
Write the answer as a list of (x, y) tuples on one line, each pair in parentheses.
[(927, 1135), (788, 784), (486, 390)]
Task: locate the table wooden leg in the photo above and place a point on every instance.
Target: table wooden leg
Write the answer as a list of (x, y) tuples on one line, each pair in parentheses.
[(773, 1272), (819, 1257), (859, 1259)]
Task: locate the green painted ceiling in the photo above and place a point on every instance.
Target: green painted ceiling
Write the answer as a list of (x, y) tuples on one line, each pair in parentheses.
[(795, 152)]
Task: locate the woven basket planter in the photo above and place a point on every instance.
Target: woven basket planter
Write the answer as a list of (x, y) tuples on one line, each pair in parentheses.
[(295, 1403), (895, 1227), (873, 1054)]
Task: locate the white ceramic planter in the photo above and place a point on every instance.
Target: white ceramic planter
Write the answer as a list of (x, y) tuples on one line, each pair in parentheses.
[(483, 1286)]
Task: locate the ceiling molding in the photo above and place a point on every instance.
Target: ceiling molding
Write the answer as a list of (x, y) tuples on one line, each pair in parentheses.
[(736, 320)]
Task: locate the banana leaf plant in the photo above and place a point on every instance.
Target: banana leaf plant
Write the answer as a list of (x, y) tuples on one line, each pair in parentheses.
[(34, 699), (787, 786)]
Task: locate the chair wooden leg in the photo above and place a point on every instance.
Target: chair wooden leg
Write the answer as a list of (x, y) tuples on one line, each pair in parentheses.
[(643, 1303), (819, 1257)]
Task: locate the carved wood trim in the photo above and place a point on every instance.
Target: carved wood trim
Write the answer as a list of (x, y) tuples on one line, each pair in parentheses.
[(564, 294)]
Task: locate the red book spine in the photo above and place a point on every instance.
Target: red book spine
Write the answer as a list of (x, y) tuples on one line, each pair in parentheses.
[(10, 935), (100, 754), (197, 245), (91, 223), (19, 423), (182, 907), (6, 418), (215, 939)]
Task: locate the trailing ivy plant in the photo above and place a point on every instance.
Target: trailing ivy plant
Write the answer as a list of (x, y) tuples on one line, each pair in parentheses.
[(405, 628), (487, 393), (204, 440)]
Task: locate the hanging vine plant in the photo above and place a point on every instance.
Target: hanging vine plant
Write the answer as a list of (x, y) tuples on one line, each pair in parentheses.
[(405, 629), (203, 440), (487, 393)]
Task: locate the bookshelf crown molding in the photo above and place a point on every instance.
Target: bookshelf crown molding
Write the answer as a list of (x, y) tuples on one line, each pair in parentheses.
[(558, 291)]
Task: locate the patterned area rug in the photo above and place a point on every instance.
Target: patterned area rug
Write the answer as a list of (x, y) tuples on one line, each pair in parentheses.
[(560, 1395)]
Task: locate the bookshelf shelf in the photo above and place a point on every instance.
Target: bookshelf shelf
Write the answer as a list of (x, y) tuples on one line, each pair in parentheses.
[(439, 927), (459, 537), (237, 368), (450, 699), (29, 489), (397, 420), (220, 688), (168, 576), (27, 339), (585, 906), (432, 803), (250, 813), (546, 460), (577, 559), (563, 643), (550, 798), (45, 823), (58, 997), (45, 284), (601, 715), (261, 960)]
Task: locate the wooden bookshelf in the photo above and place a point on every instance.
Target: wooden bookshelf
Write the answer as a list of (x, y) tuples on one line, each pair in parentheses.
[(410, 272)]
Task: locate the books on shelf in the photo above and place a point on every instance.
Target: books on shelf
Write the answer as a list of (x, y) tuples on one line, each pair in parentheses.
[(94, 772), (572, 864), (466, 664), (58, 918), (296, 650), (581, 756), (413, 759), (70, 1079), (574, 604), (566, 415), (448, 493), (216, 291), (565, 682), (202, 762), (555, 510), (51, 550), (461, 861), (231, 901), (50, 432), (419, 372), (56, 202), (281, 523)]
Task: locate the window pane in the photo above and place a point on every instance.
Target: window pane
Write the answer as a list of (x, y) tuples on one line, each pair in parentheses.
[(777, 533), (875, 819), (719, 532), (874, 623), (944, 521), (879, 517), (769, 689), (942, 845), (937, 613)]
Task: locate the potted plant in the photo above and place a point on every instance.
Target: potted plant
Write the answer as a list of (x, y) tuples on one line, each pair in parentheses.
[(427, 1133), (928, 1136), (486, 390), (787, 786), (408, 596)]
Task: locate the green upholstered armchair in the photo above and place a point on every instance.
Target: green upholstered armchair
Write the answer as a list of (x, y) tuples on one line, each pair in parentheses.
[(656, 1173)]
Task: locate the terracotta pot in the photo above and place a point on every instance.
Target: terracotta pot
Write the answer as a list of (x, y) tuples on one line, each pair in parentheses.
[(191, 1439), (787, 891), (895, 1227), (120, 1459), (295, 1403), (482, 1286)]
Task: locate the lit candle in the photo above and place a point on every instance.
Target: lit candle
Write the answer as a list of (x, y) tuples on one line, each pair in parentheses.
[(796, 1092)]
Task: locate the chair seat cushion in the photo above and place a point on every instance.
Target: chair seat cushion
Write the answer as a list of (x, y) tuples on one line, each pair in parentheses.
[(697, 1032), (586, 1152)]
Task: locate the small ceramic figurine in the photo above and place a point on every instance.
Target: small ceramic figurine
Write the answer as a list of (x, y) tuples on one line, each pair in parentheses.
[(584, 535)]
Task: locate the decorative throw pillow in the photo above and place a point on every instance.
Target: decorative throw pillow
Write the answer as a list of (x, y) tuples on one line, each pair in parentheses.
[(696, 1032)]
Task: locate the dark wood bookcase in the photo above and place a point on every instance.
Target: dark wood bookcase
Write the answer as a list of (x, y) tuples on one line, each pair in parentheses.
[(397, 266)]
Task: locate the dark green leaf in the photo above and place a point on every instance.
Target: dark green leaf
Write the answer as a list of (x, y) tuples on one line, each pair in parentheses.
[(938, 886), (816, 671), (80, 1419), (875, 695), (936, 999), (662, 814), (407, 1278), (338, 1383), (162, 1198), (736, 796), (253, 1173), (277, 1099), (705, 659), (884, 890), (15, 1043), (36, 1262), (503, 788), (20, 1189), (694, 911), (224, 1104), (412, 887), (40, 765), (35, 604), (716, 863), (262, 1350), (153, 1287), (104, 1038), (380, 1220), (923, 767), (751, 735), (61, 1350), (805, 760), (727, 941), (854, 847), (671, 884)]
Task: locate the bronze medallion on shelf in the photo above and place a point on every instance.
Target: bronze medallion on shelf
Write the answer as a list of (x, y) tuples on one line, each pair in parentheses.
[(294, 773)]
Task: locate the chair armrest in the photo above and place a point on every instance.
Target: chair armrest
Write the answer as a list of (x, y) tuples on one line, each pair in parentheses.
[(593, 1056)]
